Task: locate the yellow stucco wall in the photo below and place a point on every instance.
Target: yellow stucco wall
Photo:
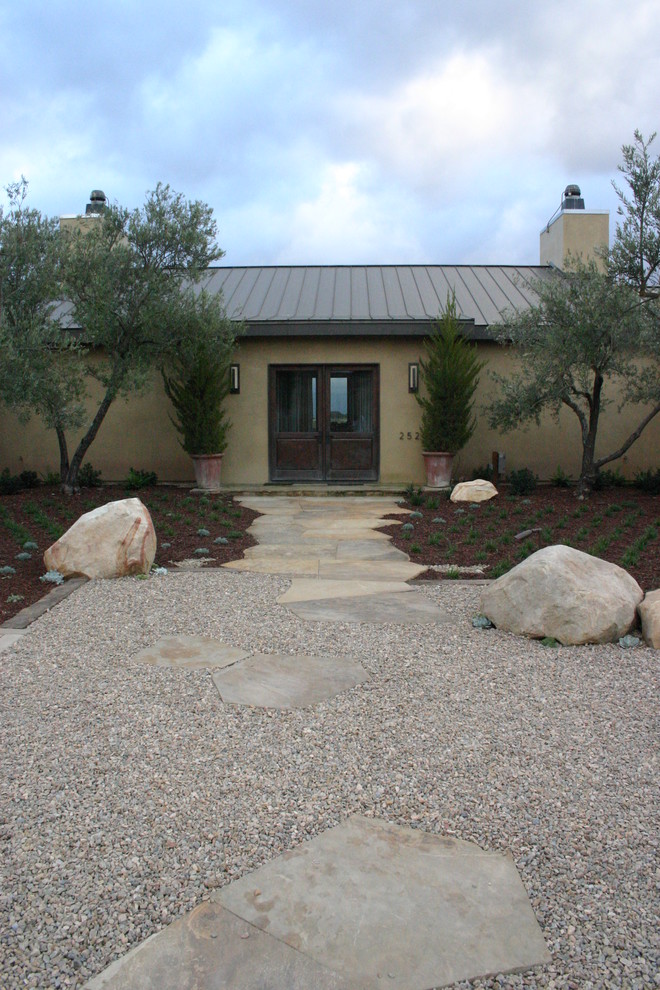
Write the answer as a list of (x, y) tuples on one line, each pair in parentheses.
[(139, 434), (575, 234)]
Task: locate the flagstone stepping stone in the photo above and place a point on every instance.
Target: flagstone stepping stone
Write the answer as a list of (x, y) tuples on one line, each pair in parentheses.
[(274, 563), (376, 570), (311, 589), (398, 607), (363, 905), (277, 680), (211, 949), (374, 900), (190, 653), (368, 550)]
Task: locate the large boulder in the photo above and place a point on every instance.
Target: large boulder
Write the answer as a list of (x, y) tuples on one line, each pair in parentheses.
[(649, 613), (114, 540), (566, 594), (473, 491)]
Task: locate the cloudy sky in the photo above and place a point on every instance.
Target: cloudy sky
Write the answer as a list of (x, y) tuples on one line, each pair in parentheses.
[(353, 131)]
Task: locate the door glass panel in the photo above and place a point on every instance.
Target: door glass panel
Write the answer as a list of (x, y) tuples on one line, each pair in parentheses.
[(296, 401), (351, 402), (338, 403)]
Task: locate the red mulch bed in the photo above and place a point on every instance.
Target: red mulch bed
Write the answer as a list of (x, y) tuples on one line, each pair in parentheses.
[(621, 525), (41, 514)]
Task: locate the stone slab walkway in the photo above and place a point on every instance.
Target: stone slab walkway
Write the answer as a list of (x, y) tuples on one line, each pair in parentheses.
[(366, 904), (326, 538)]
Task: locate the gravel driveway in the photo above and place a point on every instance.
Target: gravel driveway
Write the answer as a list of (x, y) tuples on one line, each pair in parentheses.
[(129, 792)]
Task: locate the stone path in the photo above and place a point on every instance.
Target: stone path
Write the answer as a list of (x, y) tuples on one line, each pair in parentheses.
[(366, 904)]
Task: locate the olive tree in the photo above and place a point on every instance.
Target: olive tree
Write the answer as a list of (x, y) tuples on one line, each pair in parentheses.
[(123, 287), (41, 367), (594, 334), (582, 340)]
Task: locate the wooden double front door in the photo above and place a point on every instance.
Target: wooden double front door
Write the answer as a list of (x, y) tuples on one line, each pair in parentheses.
[(323, 422)]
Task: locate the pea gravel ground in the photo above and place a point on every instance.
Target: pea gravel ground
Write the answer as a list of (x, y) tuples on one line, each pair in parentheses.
[(129, 792)]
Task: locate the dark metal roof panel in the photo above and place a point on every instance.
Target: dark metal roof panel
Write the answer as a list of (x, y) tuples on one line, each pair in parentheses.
[(363, 293)]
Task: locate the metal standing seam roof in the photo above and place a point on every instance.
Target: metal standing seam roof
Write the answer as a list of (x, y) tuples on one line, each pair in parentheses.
[(370, 298)]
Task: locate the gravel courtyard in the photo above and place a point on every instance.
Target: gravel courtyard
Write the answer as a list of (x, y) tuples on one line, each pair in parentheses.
[(129, 792)]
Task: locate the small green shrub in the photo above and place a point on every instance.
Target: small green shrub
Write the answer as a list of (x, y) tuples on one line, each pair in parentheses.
[(29, 479), (431, 503), (435, 539), (52, 478), (13, 599), (609, 479), (140, 479), (34, 512), (522, 482), (632, 554), (89, 477), (501, 568), (452, 573), (9, 483), (415, 548), (484, 473), (559, 479), (52, 577), (648, 481)]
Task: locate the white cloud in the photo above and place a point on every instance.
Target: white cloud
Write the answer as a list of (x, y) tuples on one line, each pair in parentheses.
[(345, 221)]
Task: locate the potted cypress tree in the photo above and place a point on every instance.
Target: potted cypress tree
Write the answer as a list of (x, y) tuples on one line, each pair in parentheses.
[(196, 380), (450, 375)]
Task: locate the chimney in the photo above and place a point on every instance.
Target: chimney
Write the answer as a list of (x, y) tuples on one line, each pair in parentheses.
[(83, 222), (97, 201), (574, 232)]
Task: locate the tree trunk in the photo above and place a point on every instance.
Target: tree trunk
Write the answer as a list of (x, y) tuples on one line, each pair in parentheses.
[(589, 470), (70, 484), (64, 455)]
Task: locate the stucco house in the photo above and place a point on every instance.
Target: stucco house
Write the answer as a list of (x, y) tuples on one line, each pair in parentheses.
[(324, 381)]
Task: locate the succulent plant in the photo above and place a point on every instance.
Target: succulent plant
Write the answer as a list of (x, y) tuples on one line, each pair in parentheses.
[(52, 577), (30, 545), (201, 551), (23, 555), (165, 546), (221, 539), (7, 571), (203, 532)]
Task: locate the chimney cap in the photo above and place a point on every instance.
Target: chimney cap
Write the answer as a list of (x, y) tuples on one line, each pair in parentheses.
[(97, 201), (572, 198)]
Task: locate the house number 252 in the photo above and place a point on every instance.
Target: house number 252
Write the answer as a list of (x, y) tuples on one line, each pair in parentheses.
[(408, 435)]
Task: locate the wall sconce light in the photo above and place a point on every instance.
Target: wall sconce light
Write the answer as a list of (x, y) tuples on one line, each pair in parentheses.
[(413, 377), (234, 379)]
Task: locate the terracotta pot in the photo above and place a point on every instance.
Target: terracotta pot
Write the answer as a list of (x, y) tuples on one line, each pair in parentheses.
[(438, 468), (207, 470)]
